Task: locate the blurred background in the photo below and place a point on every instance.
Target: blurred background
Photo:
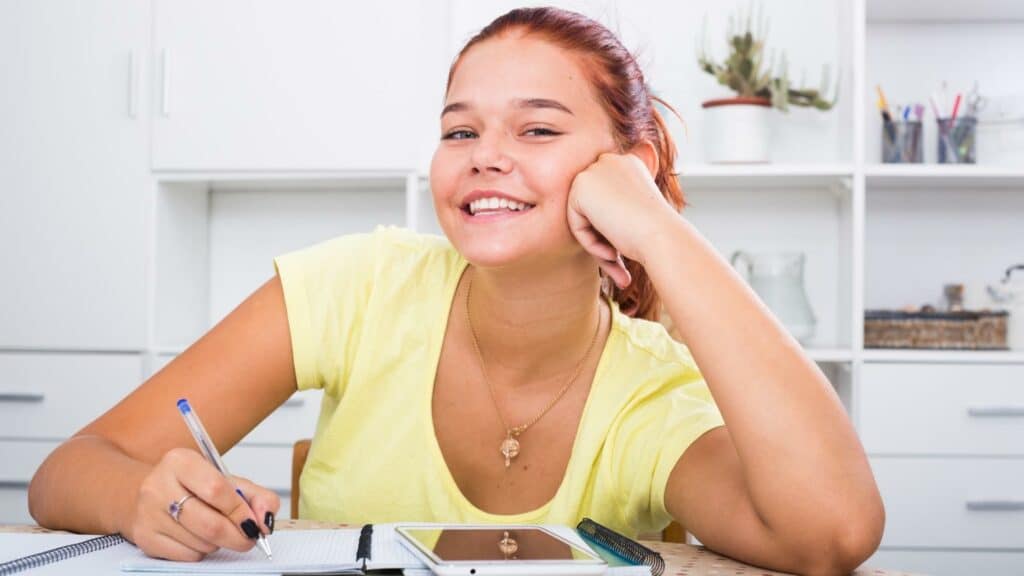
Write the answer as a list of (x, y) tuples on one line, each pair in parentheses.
[(155, 155)]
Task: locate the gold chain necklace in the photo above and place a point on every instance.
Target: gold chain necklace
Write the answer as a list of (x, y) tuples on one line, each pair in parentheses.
[(510, 446)]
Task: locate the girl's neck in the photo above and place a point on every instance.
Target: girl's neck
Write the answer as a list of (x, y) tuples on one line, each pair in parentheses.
[(534, 327)]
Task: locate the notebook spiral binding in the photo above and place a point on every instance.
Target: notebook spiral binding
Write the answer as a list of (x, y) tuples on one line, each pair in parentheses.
[(625, 547), (62, 553)]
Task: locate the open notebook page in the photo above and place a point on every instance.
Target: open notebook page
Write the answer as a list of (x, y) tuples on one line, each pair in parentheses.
[(294, 551)]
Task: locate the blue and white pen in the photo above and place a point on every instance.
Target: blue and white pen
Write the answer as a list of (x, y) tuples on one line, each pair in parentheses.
[(208, 449)]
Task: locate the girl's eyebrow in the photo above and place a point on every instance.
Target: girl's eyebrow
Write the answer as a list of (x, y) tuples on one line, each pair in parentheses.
[(519, 103)]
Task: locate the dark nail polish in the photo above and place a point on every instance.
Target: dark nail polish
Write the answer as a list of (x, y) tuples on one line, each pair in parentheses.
[(250, 529), (268, 521)]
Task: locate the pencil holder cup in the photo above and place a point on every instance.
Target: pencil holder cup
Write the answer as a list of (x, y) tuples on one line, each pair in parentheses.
[(956, 140), (901, 142)]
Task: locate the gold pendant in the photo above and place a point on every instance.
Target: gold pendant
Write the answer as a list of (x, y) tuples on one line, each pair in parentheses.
[(509, 448)]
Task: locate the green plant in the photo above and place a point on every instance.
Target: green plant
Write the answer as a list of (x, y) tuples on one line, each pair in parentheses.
[(745, 71)]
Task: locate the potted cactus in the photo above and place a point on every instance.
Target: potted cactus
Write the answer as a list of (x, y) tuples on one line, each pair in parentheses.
[(737, 128)]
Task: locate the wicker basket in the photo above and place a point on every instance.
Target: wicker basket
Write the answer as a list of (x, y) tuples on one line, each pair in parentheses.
[(935, 330)]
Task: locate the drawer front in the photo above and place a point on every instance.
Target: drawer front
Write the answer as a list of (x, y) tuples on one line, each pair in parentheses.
[(942, 409), (294, 420), (948, 562), (21, 459), (268, 466), (51, 396), (966, 503)]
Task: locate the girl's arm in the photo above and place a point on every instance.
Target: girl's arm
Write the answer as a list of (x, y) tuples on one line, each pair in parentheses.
[(119, 473), (786, 483)]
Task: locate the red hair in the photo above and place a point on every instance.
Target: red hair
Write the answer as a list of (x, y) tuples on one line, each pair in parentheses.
[(619, 84)]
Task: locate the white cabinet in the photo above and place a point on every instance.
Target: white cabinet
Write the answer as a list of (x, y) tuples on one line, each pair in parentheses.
[(74, 169), (307, 85), (944, 442)]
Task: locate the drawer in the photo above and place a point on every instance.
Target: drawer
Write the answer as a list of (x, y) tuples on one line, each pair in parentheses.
[(52, 396), (21, 459), (942, 409), (294, 420), (269, 466), (969, 503), (948, 562)]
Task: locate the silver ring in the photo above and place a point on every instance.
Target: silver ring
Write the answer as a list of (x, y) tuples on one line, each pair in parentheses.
[(175, 508)]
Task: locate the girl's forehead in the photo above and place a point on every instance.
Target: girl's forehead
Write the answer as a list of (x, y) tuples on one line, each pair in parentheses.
[(513, 67)]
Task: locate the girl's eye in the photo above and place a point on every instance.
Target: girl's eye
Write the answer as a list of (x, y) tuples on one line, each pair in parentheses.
[(541, 132), (458, 135)]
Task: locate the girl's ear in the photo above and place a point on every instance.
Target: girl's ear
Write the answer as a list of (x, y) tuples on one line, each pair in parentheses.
[(647, 152)]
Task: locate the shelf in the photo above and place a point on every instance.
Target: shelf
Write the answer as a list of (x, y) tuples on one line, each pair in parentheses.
[(765, 175), (943, 176), (945, 356), (944, 10), (830, 355)]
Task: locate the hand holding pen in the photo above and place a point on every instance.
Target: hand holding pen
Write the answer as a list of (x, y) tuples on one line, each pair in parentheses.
[(209, 450), (187, 508)]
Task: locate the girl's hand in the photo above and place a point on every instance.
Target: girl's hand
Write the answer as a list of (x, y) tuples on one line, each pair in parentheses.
[(213, 517), (615, 210)]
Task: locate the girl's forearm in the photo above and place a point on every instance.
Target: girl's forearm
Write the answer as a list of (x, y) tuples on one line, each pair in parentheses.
[(87, 485), (799, 451)]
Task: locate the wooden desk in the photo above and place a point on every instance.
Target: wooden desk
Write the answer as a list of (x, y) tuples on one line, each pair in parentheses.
[(680, 559)]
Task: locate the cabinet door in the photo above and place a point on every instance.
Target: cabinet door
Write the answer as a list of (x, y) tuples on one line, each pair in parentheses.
[(300, 85), (75, 179)]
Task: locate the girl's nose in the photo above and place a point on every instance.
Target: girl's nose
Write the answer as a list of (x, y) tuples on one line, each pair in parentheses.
[(489, 155)]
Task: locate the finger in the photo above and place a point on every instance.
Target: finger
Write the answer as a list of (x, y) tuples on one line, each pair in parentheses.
[(595, 244), (201, 478), (617, 271), (265, 503), (160, 545), (202, 527)]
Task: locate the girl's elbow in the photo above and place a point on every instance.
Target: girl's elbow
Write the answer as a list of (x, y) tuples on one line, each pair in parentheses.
[(855, 536)]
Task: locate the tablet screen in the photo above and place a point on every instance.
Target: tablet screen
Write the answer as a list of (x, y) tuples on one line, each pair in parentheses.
[(496, 544)]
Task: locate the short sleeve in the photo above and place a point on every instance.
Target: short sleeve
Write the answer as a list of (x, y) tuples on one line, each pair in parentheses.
[(326, 288), (648, 439)]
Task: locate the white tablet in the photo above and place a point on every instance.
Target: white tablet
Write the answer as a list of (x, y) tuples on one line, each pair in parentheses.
[(489, 550)]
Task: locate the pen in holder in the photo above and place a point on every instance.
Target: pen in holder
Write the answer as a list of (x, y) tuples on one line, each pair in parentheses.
[(956, 140), (901, 142)]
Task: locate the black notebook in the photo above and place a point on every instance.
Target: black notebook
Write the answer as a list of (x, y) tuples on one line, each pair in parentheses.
[(618, 550)]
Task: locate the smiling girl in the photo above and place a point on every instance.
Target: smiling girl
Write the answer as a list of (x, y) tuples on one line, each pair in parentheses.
[(510, 372)]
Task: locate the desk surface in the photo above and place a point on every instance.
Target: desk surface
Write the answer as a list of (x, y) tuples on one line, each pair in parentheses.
[(680, 559)]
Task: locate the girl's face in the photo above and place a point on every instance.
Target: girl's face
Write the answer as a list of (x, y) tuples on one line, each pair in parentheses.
[(520, 121)]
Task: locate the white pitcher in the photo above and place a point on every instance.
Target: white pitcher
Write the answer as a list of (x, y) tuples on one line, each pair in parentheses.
[(778, 279), (1009, 296)]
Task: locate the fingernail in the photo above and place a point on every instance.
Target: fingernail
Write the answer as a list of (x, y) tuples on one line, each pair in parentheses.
[(268, 521), (250, 529)]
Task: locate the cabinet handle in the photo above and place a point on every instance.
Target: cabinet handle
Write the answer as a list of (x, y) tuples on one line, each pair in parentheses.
[(294, 402), (995, 411), (13, 484), (997, 505), (133, 88), (165, 83), (25, 397)]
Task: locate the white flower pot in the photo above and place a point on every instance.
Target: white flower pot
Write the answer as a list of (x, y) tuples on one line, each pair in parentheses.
[(737, 130)]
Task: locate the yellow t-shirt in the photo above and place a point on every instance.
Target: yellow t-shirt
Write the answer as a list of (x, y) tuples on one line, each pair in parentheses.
[(368, 314)]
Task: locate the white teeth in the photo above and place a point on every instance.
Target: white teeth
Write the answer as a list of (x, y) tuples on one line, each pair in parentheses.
[(495, 204)]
